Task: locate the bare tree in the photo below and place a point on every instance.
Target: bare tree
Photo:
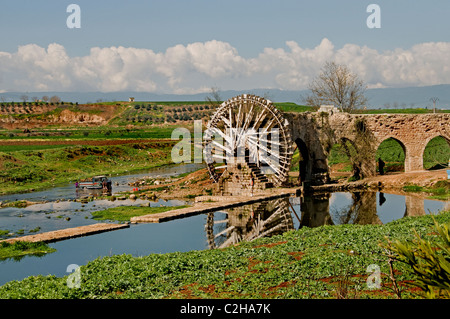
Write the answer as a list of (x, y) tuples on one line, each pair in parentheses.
[(214, 98), (337, 85), (55, 99), (45, 98), (24, 97)]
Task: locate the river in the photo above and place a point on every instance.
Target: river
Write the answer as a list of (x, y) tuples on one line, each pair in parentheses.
[(205, 231)]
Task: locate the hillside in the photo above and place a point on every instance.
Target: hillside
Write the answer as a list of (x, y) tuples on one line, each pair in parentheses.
[(27, 116)]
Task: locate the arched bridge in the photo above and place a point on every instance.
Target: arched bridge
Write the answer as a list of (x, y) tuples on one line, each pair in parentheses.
[(315, 134)]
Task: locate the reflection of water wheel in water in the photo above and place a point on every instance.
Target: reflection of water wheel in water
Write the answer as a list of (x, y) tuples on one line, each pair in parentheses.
[(249, 222), (249, 128)]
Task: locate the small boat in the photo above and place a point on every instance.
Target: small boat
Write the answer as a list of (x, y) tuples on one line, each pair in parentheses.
[(96, 182)]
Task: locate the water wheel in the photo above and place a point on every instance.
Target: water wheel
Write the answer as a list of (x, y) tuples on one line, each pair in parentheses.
[(246, 223), (249, 129)]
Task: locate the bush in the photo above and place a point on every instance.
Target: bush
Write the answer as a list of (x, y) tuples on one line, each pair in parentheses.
[(429, 261)]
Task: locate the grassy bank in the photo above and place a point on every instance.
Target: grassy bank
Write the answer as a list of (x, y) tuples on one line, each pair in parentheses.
[(322, 262), (25, 170), (124, 213), (440, 190), (98, 133), (19, 249)]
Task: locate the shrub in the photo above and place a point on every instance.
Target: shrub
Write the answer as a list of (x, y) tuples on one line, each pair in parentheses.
[(429, 261)]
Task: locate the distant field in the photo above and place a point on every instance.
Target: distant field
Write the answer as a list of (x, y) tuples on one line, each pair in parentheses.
[(15, 148), (156, 132), (292, 107)]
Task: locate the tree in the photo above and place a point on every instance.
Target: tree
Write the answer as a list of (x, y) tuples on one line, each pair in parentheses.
[(24, 97), (45, 98), (55, 99), (337, 85), (214, 99)]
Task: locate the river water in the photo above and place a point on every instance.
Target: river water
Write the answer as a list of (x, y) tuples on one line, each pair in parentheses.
[(205, 231)]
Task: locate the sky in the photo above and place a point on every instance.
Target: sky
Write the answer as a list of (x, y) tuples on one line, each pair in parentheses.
[(189, 46)]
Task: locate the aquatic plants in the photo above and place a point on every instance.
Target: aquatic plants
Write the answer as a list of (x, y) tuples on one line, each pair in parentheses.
[(19, 249), (124, 213)]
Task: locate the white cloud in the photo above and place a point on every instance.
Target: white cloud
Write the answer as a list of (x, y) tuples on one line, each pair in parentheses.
[(198, 66)]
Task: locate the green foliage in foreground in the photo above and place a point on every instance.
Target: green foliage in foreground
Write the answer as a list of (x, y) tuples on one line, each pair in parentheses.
[(306, 263), (124, 213), (21, 248), (430, 262)]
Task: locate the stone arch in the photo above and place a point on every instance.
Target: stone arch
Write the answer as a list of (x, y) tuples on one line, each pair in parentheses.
[(390, 157), (351, 150), (439, 155), (304, 163)]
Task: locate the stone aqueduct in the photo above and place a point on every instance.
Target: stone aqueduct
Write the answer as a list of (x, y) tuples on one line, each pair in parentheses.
[(315, 134)]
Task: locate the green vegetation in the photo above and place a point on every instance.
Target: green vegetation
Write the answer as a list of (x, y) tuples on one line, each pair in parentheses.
[(19, 249), (338, 155), (25, 170), (430, 261), (440, 190), (392, 153), (436, 155), (124, 213), (154, 113), (14, 148), (4, 232), (323, 262), (292, 107), (102, 133)]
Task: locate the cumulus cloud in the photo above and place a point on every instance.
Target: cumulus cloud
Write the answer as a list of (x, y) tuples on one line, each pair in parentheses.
[(197, 66)]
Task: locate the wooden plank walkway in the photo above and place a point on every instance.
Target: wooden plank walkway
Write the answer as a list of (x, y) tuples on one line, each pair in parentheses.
[(203, 206), (67, 233)]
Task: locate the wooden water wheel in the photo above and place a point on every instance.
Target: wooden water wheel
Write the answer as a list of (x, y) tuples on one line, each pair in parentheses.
[(249, 129)]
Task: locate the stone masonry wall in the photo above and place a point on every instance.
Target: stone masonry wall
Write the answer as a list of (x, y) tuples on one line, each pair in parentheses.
[(319, 131)]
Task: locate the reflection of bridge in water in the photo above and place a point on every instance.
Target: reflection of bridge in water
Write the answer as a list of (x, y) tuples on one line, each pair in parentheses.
[(364, 209), (267, 218)]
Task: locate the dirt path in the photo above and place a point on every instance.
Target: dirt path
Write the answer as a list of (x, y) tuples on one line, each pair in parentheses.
[(420, 178)]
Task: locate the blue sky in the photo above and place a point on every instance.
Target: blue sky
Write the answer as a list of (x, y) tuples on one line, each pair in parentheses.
[(247, 26)]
